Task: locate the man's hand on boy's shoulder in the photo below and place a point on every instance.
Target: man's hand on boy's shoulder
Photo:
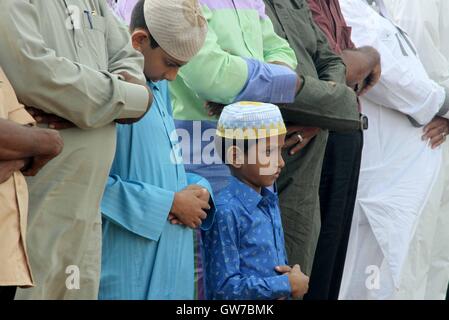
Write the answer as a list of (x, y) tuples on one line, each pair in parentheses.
[(189, 207)]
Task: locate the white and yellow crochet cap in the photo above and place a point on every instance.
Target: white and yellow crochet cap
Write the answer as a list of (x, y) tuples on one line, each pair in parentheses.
[(178, 26), (250, 120)]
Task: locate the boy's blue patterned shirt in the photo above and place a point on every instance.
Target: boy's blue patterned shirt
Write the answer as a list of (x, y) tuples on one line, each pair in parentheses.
[(244, 245)]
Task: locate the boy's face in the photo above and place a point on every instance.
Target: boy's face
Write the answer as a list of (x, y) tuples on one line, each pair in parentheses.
[(262, 163), (158, 64)]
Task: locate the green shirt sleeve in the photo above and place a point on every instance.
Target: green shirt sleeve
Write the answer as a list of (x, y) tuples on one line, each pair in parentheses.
[(275, 48)]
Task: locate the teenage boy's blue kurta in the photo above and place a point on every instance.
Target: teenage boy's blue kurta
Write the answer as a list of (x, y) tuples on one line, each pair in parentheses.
[(144, 256), (244, 245)]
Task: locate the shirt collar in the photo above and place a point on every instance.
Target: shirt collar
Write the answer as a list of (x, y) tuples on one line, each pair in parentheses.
[(249, 198), (153, 85)]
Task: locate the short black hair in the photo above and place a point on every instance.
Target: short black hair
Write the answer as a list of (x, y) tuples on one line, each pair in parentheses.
[(138, 22), (223, 144)]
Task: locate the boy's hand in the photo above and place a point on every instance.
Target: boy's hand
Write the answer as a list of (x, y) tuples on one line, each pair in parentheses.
[(299, 282), (189, 205), (205, 196), (173, 220), (283, 269)]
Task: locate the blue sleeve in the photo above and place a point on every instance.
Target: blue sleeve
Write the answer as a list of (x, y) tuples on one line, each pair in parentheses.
[(224, 281), (140, 208), (269, 83), (196, 179)]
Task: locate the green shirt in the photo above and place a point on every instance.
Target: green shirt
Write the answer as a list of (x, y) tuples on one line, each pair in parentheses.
[(219, 72)]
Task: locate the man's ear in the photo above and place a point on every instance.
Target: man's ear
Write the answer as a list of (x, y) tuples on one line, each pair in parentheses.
[(235, 157), (139, 38)]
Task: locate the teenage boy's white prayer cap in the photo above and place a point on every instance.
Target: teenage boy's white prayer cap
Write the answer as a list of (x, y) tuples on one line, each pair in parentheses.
[(178, 26)]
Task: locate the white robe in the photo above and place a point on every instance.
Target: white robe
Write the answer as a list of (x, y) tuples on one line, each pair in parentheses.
[(399, 170), (427, 271)]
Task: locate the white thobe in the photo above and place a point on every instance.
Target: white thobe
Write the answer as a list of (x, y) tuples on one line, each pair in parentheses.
[(398, 169), (427, 270)]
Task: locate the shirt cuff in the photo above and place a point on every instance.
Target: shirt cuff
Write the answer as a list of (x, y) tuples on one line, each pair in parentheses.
[(444, 110), (280, 286), (136, 101), (269, 83), (142, 211), (284, 84)]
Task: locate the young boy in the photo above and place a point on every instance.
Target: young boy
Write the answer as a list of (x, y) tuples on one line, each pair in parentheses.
[(244, 250), (144, 255)]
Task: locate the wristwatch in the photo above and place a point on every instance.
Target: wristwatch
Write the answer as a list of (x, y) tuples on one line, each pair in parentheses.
[(364, 122)]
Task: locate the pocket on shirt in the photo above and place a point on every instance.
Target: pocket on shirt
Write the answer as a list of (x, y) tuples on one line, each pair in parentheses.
[(94, 30)]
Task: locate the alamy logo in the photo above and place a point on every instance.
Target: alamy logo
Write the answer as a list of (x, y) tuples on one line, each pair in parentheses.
[(72, 282), (372, 282)]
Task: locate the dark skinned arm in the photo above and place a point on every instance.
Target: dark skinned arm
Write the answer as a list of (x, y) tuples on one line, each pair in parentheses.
[(27, 146)]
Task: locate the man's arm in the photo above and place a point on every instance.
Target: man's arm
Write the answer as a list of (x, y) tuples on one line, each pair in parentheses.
[(92, 99), (123, 58), (144, 209), (327, 102), (19, 142), (219, 76), (329, 65), (362, 64), (400, 87), (423, 23), (138, 207)]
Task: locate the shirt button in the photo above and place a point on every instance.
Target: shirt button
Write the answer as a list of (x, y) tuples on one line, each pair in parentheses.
[(80, 44)]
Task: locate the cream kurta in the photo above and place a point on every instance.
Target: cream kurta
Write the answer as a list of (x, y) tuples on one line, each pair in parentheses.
[(14, 266), (69, 72)]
